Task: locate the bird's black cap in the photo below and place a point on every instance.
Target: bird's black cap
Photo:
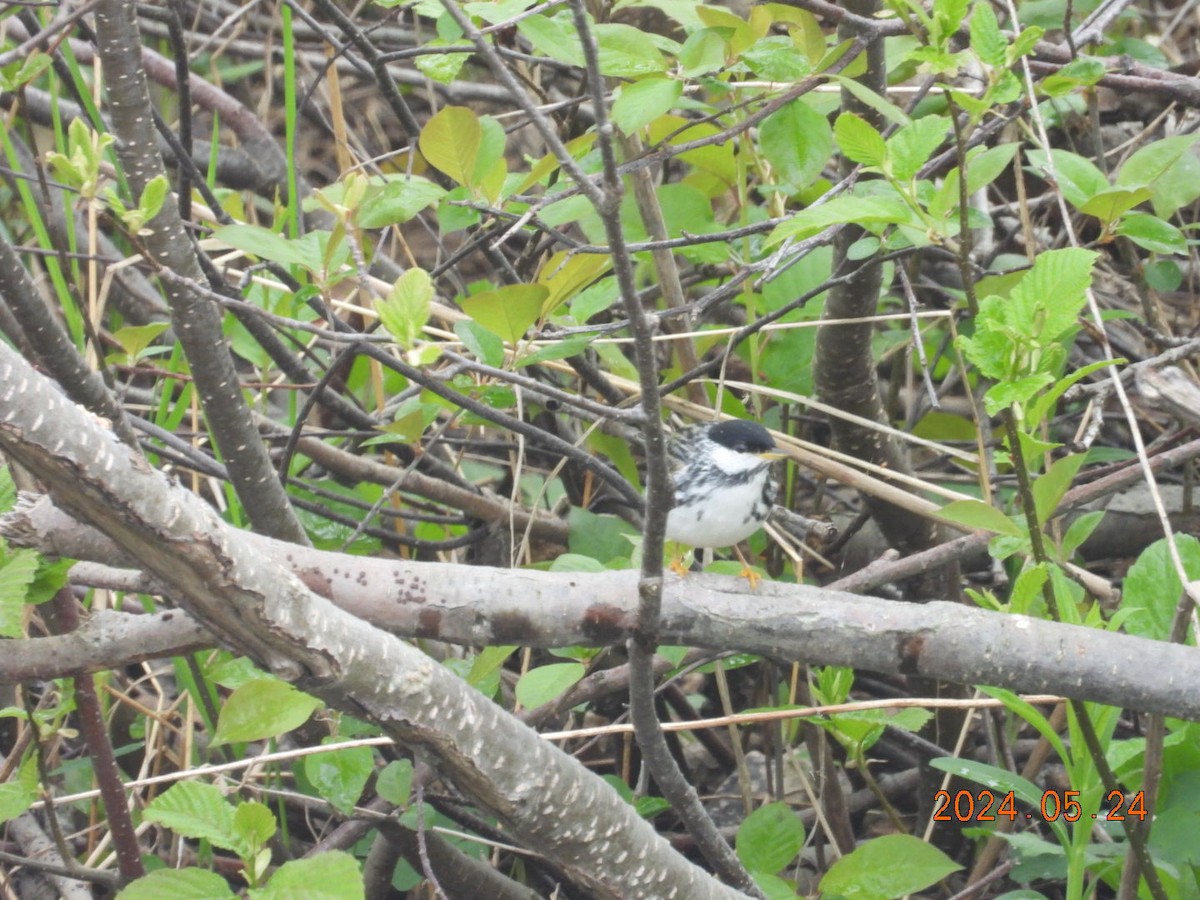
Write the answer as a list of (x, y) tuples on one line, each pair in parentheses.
[(742, 436)]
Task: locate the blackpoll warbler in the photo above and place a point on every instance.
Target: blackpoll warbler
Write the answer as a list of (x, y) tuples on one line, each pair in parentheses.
[(724, 485)]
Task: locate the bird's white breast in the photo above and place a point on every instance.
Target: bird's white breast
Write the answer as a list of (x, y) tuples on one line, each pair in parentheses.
[(723, 519)]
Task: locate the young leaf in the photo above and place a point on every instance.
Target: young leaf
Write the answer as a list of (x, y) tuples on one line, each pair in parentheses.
[(644, 101), (195, 810), (769, 838), (1077, 177), (508, 311), (545, 683), (798, 142), (178, 883), (264, 708), (1048, 489), (450, 142), (1109, 204), (487, 347), (912, 146), (986, 39), (1153, 234), (333, 875), (859, 140), (979, 516), (405, 310), (340, 775)]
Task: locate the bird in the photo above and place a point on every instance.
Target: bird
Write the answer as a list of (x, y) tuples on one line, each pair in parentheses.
[(724, 486)]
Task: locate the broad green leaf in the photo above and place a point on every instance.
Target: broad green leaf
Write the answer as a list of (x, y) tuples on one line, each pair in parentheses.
[(441, 67), (979, 516), (1057, 284), (254, 824), (195, 810), (1153, 234), (1014, 391), (887, 867), (602, 537), (483, 344), (777, 58), (395, 782), (262, 709), (1108, 205), (1082, 72), (340, 775), (642, 102), (1152, 162), (703, 52), (986, 39), (332, 875), (507, 312), (864, 211), (912, 146), (626, 52), (136, 338), (1041, 407), (268, 245), (1077, 177), (984, 165), (405, 310), (484, 675), (15, 799), (1079, 531), (769, 838), (948, 15), (545, 683), (397, 200), (1048, 489), (553, 37), (1152, 589), (859, 140), (450, 142), (798, 143), (564, 275), (178, 884)]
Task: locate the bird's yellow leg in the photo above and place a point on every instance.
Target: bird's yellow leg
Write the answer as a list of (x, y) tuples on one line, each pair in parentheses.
[(677, 554), (748, 573)]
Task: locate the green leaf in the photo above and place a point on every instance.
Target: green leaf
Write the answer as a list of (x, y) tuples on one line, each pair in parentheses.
[(405, 310), (872, 100), (17, 574), (1152, 162), (268, 245), (563, 276), (178, 884), (912, 146), (769, 838), (1108, 205), (859, 140), (703, 52), (545, 683), (397, 200), (864, 211), (136, 338), (450, 142), (1048, 489), (1079, 531), (1153, 234), (441, 67), (986, 39), (260, 709), (15, 799), (561, 349), (642, 102), (887, 867), (254, 824), (776, 58), (195, 810), (1057, 284), (602, 537), (1077, 177), (340, 775), (979, 516), (1152, 589), (1014, 391), (508, 311), (333, 875), (487, 347), (626, 52), (1082, 72), (395, 782), (484, 675), (798, 143)]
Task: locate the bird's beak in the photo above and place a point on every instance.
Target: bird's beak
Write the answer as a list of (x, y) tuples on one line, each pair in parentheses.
[(773, 455)]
